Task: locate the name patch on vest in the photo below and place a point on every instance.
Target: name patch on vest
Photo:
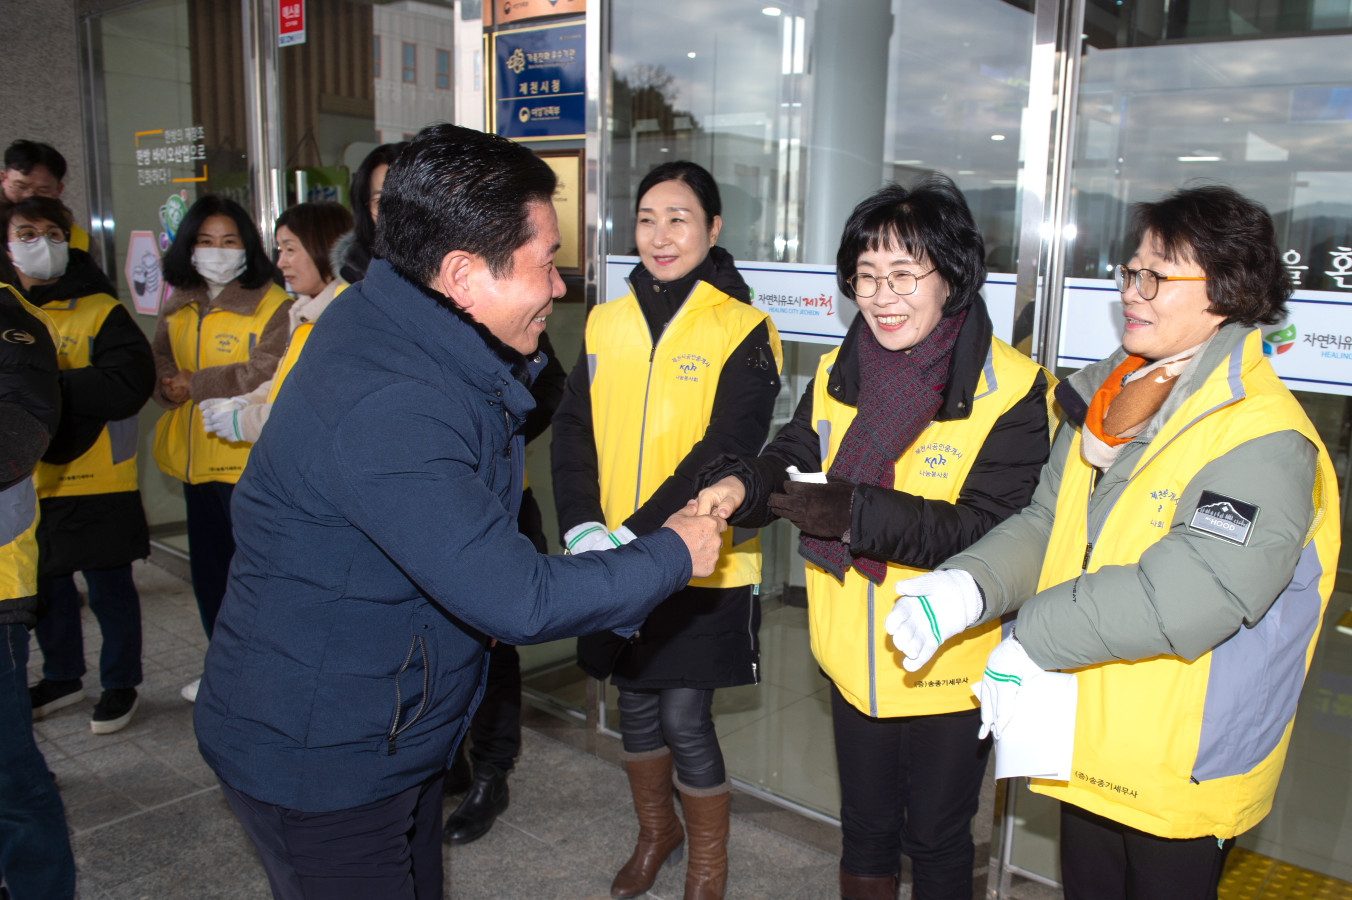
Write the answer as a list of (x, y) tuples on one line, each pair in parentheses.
[(1224, 517), (689, 366)]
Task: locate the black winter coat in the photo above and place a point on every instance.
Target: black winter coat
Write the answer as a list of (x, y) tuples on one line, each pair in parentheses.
[(94, 531), (895, 526), (698, 637)]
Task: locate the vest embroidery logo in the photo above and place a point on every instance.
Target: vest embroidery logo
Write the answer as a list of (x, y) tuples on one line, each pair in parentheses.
[(689, 367), (226, 343), (935, 457), (1224, 517)]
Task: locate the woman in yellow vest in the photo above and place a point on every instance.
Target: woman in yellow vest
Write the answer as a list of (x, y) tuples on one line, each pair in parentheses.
[(681, 370), (305, 234), (92, 520), (220, 334), (923, 431), (1177, 558)]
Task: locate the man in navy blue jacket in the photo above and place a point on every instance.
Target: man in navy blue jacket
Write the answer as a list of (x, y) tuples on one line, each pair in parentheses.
[(377, 551)]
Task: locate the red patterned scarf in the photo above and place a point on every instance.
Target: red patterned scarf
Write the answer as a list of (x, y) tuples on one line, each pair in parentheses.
[(899, 393)]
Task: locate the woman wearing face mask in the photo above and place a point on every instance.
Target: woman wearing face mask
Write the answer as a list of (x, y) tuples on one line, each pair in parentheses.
[(220, 334), (677, 372), (352, 252), (305, 234), (91, 517), (930, 431)]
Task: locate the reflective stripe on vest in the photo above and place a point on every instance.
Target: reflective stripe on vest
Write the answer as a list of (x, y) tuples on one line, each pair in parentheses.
[(109, 466), (651, 404), (1187, 749), (846, 619)]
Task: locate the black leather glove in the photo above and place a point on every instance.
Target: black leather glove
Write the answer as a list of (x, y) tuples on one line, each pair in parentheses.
[(819, 510)]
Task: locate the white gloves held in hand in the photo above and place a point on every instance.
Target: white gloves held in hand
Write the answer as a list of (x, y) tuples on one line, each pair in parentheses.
[(593, 536), (1008, 671), (220, 416), (931, 609)]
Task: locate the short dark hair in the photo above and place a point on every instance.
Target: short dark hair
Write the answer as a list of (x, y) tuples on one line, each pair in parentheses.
[(178, 268), (930, 221), (455, 188), (1233, 239), (363, 226), (23, 155), (318, 226), (33, 208), (694, 176)]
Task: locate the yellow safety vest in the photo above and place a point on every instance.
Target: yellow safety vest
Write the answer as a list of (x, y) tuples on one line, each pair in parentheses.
[(846, 619), (109, 465), (79, 238), (19, 508), (298, 338), (651, 404), (1187, 749), (183, 448)]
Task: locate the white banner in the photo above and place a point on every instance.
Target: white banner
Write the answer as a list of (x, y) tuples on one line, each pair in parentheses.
[(804, 303), (1311, 350)]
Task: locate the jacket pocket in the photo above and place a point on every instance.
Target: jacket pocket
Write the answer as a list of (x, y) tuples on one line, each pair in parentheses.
[(410, 691)]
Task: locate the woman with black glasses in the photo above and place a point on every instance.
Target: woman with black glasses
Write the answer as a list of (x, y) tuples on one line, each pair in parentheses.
[(930, 431)]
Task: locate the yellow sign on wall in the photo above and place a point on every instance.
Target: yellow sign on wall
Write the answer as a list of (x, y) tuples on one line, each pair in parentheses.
[(505, 11), (567, 166)]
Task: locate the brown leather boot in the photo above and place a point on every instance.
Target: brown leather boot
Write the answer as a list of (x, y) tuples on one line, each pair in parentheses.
[(858, 887), (659, 830), (706, 822)]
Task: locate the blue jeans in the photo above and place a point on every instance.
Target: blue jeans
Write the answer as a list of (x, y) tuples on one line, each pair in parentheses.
[(116, 604), (35, 857)]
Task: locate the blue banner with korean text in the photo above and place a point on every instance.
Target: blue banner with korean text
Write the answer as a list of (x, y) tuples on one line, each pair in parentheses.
[(541, 80)]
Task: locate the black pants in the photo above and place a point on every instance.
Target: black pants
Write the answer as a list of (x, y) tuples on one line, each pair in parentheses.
[(1106, 860), (495, 730), (211, 545), (389, 849), (909, 785), (678, 718)]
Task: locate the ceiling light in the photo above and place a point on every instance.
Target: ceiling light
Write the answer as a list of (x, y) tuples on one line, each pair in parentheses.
[(772, 11), (997, 137), (691, 54), (1199, 159)]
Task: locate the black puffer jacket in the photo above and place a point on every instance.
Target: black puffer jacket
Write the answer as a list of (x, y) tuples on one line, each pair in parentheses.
[(94, 531), (894, 526), (30, 407), (699, 637)]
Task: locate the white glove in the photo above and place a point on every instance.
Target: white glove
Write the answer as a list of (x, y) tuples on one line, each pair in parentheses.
[(220, 416), (931, 609), (588, 536), (1008, 671), (622, 536)]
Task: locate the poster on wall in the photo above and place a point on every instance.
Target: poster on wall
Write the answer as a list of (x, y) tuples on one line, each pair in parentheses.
[(142, 269), (567, 166), (805, 303), (540, 82), (291, 23)]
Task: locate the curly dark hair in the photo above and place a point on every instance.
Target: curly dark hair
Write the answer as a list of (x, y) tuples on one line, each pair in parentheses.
[(1232, 238)]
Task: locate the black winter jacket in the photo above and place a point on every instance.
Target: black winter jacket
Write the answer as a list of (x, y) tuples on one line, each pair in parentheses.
[(699, 637), (94, 531), (30, 407), (895, 526)]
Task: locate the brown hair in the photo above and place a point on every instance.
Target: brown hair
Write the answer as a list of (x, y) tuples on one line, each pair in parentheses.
[(318, 226)]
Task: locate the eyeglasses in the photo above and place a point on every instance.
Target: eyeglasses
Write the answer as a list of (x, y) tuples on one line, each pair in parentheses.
[(1147, 280), (28, 234), (901, 283)]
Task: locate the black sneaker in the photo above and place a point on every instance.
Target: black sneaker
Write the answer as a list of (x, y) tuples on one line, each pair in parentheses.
[(114, 710), (47, 697)]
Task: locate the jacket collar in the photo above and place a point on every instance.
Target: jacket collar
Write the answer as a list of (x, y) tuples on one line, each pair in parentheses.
[(1220, 362), (964, 368), (454, 343), (232, 298)]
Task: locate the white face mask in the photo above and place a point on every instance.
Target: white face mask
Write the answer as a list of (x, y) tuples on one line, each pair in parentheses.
[(218, 265), (41, 258)]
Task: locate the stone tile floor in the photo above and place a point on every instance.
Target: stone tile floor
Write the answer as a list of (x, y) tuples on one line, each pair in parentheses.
[(148, 821)]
